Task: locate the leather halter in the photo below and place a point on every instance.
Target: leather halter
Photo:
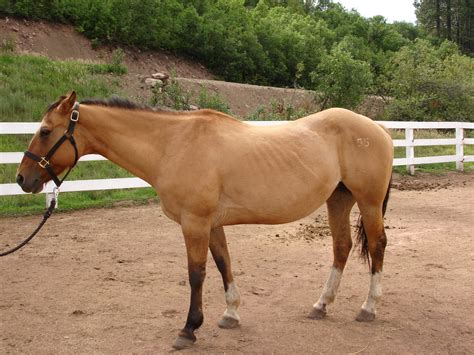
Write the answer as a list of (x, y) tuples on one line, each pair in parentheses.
[(44, 162)]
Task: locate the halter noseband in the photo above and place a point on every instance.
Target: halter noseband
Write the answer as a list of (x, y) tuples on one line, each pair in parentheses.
[(44, 162)]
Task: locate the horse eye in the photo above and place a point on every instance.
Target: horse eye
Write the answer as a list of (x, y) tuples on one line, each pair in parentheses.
[(44, 132)]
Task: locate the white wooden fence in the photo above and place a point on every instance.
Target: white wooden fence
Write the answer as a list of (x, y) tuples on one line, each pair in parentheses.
[(409, 143)]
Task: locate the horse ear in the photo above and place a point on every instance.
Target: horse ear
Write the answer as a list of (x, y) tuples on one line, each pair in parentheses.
[(68, 102)]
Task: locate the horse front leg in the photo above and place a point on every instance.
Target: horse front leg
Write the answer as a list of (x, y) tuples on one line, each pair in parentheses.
[(220, 253), (196, 231)]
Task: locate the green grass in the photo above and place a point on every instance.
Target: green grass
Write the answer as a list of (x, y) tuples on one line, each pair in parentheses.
[(29, 83), (35, 204)]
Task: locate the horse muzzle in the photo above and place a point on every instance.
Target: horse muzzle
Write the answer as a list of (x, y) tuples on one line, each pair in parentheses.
[(32, 184)]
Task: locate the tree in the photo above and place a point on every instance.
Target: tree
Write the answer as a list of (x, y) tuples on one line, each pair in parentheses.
[(340, 80), (448, 19)]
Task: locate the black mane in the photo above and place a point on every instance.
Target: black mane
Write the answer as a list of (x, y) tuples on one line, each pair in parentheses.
[(118, 102), (113, 101)]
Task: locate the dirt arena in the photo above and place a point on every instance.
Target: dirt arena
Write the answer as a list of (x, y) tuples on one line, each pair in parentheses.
[(115, 281)]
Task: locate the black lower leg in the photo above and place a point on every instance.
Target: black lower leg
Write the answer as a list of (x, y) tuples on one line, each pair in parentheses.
[(220, 254), (195, 314)]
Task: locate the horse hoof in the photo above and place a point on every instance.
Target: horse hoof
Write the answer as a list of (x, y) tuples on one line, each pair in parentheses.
[(183, 343), (317, 313), (365, 316), (228, 323)]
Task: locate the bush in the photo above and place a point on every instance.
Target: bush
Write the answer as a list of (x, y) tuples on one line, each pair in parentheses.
[(431, 83), (212, 101), (341, 80), (172, 96)]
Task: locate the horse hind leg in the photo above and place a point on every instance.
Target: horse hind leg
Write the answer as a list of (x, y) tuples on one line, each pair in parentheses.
[(373, 240), (339, 207), (220, 253)]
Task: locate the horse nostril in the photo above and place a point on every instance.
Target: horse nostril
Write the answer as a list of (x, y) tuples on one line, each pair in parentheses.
[(19, 179)]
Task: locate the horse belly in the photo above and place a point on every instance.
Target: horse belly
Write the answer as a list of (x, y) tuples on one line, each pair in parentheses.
[(261, 205)]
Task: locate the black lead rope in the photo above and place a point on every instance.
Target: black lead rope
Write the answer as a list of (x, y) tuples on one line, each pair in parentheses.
[(46, 215), (44, 162)]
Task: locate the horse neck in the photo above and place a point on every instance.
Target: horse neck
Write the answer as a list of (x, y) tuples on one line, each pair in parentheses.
[(132, 139)]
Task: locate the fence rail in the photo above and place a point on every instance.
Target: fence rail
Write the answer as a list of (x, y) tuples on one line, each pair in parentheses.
[(121, 183)]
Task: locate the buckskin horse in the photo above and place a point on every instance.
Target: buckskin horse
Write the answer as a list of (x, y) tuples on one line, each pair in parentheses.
[(211, 170)]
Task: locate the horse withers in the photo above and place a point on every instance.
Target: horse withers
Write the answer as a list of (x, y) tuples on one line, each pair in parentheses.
[(211, 170)]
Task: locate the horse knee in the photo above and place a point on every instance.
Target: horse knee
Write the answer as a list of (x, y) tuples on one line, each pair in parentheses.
[(197, 274)]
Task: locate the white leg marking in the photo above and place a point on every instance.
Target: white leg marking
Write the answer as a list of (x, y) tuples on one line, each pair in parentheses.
[(375, 292), (232, 298), (330, 289)]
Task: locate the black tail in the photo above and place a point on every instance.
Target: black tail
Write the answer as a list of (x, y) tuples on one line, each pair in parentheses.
[(361, 237)]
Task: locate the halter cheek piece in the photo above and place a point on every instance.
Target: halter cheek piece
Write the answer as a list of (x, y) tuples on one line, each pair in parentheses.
[(44, 162)]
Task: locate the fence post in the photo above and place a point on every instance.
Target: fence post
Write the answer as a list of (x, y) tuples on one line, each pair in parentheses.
[(460, 149), (410, 149)]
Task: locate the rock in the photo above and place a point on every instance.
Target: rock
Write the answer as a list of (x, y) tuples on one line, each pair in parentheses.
[(153, 82), (193, 107), (160, 76)]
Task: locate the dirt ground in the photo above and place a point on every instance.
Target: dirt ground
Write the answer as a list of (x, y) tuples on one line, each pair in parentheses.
[(114, 281)]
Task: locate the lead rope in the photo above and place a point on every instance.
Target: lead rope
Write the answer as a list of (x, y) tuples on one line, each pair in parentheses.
[(46, 215)]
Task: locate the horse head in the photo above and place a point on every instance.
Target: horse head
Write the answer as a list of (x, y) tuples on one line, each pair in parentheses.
[(48, 153)]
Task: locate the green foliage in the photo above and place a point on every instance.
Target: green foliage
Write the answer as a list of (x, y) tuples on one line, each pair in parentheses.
[(115, 65), (341, 80), (172, 96), (431, 83), (447, 19), (213, 101), (227, 42), (289, 39), (7, 45), (278, 111)]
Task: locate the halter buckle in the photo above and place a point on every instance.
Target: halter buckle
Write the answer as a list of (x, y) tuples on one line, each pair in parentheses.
[(75, 116), (43, 163)]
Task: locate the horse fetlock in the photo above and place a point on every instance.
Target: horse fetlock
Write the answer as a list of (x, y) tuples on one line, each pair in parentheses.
[(232, 296), (194, 321)]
